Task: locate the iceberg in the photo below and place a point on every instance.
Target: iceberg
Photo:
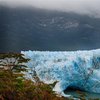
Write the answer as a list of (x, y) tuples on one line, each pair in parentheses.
[(78, 69)]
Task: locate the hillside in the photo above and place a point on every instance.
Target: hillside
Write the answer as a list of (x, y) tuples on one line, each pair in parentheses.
[(36, 29)]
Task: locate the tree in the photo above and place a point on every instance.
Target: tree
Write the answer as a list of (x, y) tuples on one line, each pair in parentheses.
[(13, 62)]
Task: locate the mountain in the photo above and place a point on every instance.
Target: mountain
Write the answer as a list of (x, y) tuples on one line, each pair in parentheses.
[(38, 29)]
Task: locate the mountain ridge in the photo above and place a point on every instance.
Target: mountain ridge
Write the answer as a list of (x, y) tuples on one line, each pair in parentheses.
[(39, 29)]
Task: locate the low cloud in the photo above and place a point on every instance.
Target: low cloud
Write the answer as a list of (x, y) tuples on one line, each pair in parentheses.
[(91, 7)]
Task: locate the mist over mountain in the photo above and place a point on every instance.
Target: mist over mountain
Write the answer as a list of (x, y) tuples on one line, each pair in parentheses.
[(38, 29), (84, 7)]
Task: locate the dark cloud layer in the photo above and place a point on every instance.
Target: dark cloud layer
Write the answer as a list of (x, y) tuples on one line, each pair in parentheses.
[(90, 7)]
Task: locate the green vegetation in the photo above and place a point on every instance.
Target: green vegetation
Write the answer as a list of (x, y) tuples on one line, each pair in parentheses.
[(13, 62), (13, 86)]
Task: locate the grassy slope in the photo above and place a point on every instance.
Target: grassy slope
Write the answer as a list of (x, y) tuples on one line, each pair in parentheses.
[(14, 88)]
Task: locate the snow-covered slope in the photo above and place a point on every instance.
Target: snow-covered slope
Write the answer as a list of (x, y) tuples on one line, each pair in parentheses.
[(77, 69)]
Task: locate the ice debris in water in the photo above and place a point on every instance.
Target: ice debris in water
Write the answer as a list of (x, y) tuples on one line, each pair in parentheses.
[(73, 68)]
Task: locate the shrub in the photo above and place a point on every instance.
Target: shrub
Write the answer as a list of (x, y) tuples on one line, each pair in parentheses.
[(13, 86)]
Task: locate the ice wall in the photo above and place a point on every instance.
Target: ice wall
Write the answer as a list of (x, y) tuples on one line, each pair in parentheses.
[(73, 68)]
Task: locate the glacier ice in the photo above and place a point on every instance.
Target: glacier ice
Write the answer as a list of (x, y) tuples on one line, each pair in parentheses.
[(70, 69)]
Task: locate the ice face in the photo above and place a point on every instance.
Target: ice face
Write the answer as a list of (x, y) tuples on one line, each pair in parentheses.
[(73, 68)]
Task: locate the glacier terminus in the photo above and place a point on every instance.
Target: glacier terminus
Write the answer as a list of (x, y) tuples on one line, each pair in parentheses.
[(79, 69)]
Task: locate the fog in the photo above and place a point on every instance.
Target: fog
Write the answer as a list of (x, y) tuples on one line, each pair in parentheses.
[(91, 7)]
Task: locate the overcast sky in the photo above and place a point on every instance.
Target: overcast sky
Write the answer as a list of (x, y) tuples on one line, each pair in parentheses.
[(91, 7)]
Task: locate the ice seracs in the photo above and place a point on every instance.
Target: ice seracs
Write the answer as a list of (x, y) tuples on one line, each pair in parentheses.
[(73, 68)]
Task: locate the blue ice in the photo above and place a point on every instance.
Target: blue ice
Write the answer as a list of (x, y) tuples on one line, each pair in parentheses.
[(70, 68)]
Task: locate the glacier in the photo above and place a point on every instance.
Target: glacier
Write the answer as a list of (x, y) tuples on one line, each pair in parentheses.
[(79, 69)]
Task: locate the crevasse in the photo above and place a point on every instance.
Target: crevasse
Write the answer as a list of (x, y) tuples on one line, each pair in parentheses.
[(73, 68)]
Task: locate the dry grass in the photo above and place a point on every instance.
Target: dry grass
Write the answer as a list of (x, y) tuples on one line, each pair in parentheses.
[(14, 88)]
